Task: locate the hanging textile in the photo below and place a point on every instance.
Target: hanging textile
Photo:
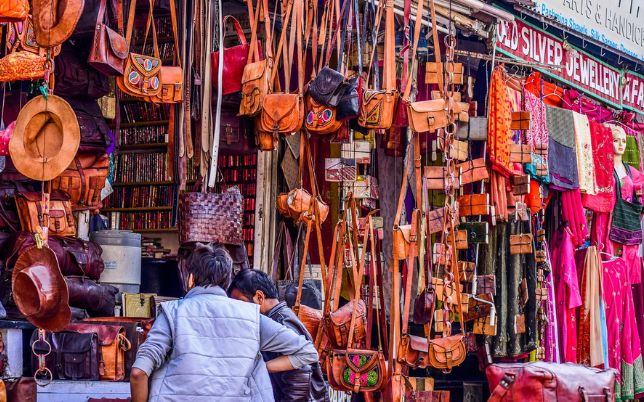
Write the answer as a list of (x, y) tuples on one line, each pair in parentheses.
[(562, 158), (590, 350), (573, 214), (499, 119), (551, 94), (574, 100), (602, 151), (632, 153), (624, 350), (585, 161), (550, 341)]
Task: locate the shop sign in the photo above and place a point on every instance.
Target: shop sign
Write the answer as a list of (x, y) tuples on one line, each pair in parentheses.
[(616, 24), (633, 92), (521, 40)]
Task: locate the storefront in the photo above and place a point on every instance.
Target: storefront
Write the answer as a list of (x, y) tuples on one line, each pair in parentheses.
[(464, 197)]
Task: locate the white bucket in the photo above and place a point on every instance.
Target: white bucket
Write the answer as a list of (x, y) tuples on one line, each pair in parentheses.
[(122, 258)]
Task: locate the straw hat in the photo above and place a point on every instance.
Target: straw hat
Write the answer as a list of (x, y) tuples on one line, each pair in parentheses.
[(45, 139), (39, 289)]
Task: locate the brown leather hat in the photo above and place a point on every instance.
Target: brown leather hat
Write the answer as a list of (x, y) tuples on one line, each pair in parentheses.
[(53, 26), (46, 138), (39, 289)]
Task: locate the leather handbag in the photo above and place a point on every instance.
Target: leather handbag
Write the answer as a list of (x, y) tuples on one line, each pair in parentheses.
[(21, 389), (460, 240), (320, 118), (477, 232), (476, 130), (405, 237), (521, 243), (95, 132), (60, 219), (296, 204), (520, 153), (84, 180), (326, 87), (520, 120), (141, 74), (211, 217), (75, 256), (520, 184), (434, 70), (109, 49), (442, 177), (474, 204), (113, 345), (550, 382), (170, 77), (447, 352), (14, 10), (435, 220), (138, 305), (378, 107), (256, 81), (98, 299), (473, 171), (349, 99), (74, 355), (22, 66), (235, 60)]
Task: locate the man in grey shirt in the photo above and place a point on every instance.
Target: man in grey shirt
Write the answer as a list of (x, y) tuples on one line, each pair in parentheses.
[(207, 345)]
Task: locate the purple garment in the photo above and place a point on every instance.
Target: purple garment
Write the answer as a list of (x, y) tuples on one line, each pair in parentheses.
[(562, 156), (550, 339)]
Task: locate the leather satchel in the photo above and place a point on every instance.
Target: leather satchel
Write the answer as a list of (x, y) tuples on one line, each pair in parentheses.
[(338, 322), (109, 49), (320, 118), (520, 153), (520, 120), (326, 87), (211, 217), (138, 305), (429, 115), (521, 243), (356, 370), (296, 204), (413, 351), (14, 10), (235, 61), (84, 180), (282, 113), (405, 238), (113, 345), (447, 353), (550, 382), (141, 74), (170, 77), (60, 219), (473, 171), (474, 204), (435, 220), (433, 70), (442, 177), (21, 389), (76, 78), (74, 355), (98, 299)]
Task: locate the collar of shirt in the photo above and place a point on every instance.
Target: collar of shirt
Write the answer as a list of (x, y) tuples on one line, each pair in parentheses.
[(212, 290), (276, 309)]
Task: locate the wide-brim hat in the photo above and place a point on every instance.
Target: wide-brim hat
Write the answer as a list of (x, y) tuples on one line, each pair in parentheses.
[(53, 25), (39, 289), (45, 139)]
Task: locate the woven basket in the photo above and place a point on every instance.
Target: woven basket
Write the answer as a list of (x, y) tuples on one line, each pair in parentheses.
[(211, 217)]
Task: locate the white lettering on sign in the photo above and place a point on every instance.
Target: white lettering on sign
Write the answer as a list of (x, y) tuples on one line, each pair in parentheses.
[(633, 92)]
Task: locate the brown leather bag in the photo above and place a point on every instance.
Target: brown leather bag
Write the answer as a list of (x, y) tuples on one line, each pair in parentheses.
[(404, 236), (256, 81), (413, 351), (22, 389), (474, 204), (520, 153), (320, 118), (19, 66), (296, 204), (13, 10), (113, 345), (84, 180), (170, 77), (521, 243), (473, 171), (109, 49), (60, 220), (141, 74)]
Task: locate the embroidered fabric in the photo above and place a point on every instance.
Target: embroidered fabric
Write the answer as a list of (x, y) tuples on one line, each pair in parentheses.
[(562, 158), (602, 150), (585, 161)]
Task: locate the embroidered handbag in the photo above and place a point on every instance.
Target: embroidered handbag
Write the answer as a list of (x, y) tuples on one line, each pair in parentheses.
[(21, 36), (60, 219), (141, 73), (625, 226), (13, 10), (235, 60), (320, 118), (357, 370), (22, 66), (109, 49)]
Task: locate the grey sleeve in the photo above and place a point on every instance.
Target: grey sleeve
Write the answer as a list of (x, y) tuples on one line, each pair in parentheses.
[(156, 348), (275, 337)]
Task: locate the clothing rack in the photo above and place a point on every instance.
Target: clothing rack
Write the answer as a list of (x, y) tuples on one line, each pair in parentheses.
[(505, 60)]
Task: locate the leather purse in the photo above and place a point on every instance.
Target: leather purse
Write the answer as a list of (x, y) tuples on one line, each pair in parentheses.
[(138, 305), (447, 353), (441, 254), (21, 389), (486, 284), (296, 204), (484, 326), (320, 118), (413, 351), (520, 153), (520, 120), (442, 177), (14, 10), (476, 130), (349, 99), (405, 238), (98, 299), (75, 78), (466, 270), (477, 232), (551, 381), (60, 219), (141, 74), (478, 309), (74, 355), (338, 323), (521, 243), (435, 220), (109, 49), (113, 345), (211, 217), (474, 204), (84, 180), (235, 60), (473, 171), (170, 77), (22, 66), (460, 240), (433, 70), (326, 87), (520, 184)]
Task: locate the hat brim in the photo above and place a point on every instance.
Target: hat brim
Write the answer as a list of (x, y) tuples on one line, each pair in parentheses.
[(60, 318), (24, 161)]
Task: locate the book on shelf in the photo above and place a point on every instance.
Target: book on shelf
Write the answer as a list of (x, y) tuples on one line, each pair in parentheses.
[(140, 220), (135, 167), (143, 135), (141, 197)]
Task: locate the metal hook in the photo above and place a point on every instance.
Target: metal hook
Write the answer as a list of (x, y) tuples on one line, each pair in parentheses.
[(619, 59), (544, 24), (583, 43), (602, 52), (565, 36)]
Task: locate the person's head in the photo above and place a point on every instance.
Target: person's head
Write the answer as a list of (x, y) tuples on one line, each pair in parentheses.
[(619, 139), (256, 287), (209, 266)]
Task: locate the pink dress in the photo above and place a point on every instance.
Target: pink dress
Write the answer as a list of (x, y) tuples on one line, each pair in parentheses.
[(624, 349), (567, 294), (601, 229)]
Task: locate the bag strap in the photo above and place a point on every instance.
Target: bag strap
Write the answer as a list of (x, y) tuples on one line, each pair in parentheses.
[(284, 244), (175, 32), (389, 72), (377, 273), (498, 393), (411, 262), (150, 23), (288, 16), (130, 22), (414, 63), (437, 46), (336, 253), (406, 77), (253, 50), (374, 41)]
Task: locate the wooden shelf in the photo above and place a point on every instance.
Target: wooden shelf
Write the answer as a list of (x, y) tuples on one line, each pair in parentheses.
[(134, 147), (145, 123), (144, 183), (138, 209)]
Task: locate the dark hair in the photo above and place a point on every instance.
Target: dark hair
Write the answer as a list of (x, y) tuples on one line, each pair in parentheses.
[(210, 266), (249, 281)]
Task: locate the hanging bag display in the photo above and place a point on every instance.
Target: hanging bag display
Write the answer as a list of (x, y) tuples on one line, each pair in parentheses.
[(141, 72), (625, 226), (109, 49), (235, 60), (170, 77)]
